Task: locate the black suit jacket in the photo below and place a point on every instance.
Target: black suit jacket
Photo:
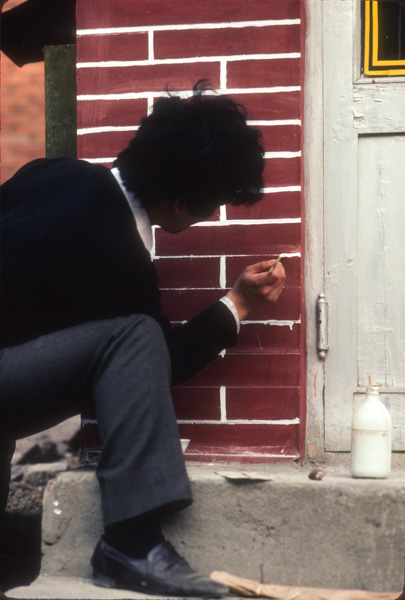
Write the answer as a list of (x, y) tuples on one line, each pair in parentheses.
[(71, 253)]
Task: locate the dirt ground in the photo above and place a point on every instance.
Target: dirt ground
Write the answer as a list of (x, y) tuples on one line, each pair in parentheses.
[(37, 460)]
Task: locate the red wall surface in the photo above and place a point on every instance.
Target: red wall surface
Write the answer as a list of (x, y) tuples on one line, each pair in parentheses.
[(248, 405), (22, 112)]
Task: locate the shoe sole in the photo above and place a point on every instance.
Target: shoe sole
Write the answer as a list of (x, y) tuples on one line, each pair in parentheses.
[(102, 580), (105, 581)]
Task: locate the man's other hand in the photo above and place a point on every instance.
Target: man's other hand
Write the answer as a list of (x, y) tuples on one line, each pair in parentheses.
[(256, 287)]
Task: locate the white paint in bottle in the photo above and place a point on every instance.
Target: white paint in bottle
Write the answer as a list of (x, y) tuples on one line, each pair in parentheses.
[(371, 438)]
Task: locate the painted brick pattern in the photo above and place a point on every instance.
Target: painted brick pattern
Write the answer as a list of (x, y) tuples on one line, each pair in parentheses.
[(249, 404)]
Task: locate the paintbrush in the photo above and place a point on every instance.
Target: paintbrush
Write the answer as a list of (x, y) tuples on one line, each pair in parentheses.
[(274, 266)]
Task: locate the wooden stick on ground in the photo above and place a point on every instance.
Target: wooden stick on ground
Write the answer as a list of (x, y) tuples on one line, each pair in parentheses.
[(247, 587)]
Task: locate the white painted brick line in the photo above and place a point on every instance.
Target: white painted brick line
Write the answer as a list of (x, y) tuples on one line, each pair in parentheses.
[(180, 61), (151, 101), (223, 74), (263, 123), (189, 288), (295, 421), (173, 27), (276, 190), (130, 96), (222, 399), (113, 128), (247, 222), (222, 272), (274, 322), (270, 155), (99, 160), (186, 93), (151, 51), (291, 188), (284, 255), (270, 323), (244, 454), (107, 129), (266, 90)]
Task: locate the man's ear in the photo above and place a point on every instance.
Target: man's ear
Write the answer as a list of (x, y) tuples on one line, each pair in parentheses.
[(179, 206)]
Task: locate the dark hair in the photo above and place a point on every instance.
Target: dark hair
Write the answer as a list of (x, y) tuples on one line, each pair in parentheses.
[(199, 150)]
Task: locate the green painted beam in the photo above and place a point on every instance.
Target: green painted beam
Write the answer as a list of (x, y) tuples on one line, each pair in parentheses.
[(60, 101)]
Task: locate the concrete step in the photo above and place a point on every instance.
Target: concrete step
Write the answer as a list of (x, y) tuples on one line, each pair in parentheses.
[(72, 588), (269, 523)]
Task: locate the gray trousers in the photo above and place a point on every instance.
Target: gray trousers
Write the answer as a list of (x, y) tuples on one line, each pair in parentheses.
[(122, 368)]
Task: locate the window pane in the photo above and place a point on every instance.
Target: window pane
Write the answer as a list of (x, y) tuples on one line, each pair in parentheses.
[(383, 28)]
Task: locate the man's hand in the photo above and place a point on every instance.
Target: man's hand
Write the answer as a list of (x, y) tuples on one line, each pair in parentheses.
[(256, 288)]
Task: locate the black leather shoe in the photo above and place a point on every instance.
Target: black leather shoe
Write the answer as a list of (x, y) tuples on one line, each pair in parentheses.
[(162, 572)]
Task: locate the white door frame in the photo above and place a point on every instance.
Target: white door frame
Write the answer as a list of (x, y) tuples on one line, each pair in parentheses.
[(339, 105)]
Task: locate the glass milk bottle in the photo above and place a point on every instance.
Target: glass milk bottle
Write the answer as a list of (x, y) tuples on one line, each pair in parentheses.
[(371, 438)]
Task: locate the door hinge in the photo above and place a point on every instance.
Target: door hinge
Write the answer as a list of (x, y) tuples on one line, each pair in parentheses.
[(322, 325)]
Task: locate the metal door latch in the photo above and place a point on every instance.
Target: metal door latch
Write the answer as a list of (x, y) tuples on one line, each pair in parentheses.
[(322, 325)]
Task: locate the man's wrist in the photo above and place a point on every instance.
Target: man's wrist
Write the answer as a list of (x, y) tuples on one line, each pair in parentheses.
[(241, 309), (231, 305)]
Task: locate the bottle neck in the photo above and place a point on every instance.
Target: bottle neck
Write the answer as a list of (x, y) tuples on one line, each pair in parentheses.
[(373, 393)]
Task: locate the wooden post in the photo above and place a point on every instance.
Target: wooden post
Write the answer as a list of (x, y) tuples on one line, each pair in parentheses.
[(60, 101)]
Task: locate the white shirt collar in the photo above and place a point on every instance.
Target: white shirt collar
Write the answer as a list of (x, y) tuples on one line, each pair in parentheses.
[(141, 216), (145, 231)]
